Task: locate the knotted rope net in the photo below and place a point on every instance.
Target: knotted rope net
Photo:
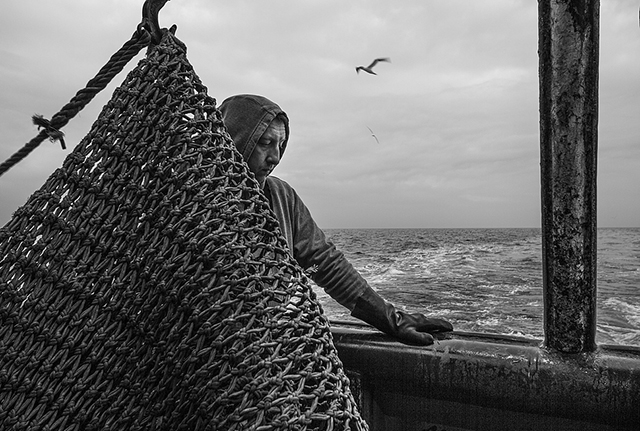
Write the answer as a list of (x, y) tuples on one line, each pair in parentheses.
[(147, 286)]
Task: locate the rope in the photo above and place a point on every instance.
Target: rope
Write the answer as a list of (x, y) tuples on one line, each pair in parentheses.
[(51, 128)]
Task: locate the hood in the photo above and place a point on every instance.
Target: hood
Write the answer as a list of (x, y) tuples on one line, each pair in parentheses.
[(247, 116)]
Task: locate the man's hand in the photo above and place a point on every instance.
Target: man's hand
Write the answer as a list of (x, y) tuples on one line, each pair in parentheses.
[(414, 328)]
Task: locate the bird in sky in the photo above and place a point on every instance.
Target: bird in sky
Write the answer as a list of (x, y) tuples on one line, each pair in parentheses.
[(373, 134), (369, 68)]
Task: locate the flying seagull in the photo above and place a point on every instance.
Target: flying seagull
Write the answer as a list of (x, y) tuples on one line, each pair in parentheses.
[(369, 68), (373, 134)]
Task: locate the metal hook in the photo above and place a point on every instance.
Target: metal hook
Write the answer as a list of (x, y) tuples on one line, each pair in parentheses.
[(150, 10)]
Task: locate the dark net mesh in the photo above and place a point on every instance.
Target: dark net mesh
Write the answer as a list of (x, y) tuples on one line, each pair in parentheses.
[(146, 284)]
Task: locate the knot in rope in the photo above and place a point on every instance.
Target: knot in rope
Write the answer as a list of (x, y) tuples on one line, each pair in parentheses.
[(52, 133), (116, 63)]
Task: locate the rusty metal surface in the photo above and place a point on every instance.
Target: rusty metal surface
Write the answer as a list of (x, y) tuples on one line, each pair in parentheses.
[(517, 375), (568, 68)]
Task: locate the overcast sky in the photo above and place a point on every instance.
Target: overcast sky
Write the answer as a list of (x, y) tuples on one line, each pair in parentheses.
[(455, 112)]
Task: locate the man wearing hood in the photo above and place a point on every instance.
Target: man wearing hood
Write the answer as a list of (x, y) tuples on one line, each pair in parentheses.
[(260, 132)]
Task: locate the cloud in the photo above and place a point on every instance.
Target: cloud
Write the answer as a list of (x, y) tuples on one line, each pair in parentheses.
[(456, 110)]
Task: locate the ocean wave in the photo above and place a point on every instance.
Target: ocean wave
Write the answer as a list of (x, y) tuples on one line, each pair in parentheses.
[(631, 312), (479, 277), (612, 334)]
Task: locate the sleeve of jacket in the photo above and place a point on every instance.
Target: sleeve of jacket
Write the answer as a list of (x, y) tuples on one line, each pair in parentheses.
[(312, 250)]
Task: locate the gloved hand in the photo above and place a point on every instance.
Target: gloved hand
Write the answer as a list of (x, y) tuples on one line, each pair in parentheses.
[(412, 328)]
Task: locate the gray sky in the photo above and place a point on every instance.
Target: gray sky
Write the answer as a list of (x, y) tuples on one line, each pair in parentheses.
[(456, 110)]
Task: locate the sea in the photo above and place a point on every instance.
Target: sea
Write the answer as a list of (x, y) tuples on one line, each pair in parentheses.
[(487, 280)]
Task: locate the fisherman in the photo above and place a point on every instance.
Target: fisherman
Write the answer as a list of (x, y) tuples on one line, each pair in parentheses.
[(260, 132)]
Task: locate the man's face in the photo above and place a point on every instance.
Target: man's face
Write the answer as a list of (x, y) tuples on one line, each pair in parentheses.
[(266, 154)]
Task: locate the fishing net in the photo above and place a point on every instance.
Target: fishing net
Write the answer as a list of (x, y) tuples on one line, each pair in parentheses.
[(146, 285)]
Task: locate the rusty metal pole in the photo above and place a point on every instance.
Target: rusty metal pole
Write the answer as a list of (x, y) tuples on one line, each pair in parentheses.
[(568, 55)]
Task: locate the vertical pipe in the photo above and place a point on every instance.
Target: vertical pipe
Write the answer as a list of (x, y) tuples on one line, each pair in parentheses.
[(568, 70)]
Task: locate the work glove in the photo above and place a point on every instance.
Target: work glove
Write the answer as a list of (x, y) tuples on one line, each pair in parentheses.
[(408, 328)]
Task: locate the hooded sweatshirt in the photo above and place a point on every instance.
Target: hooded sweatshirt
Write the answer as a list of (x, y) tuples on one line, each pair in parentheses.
[(246, 118)]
